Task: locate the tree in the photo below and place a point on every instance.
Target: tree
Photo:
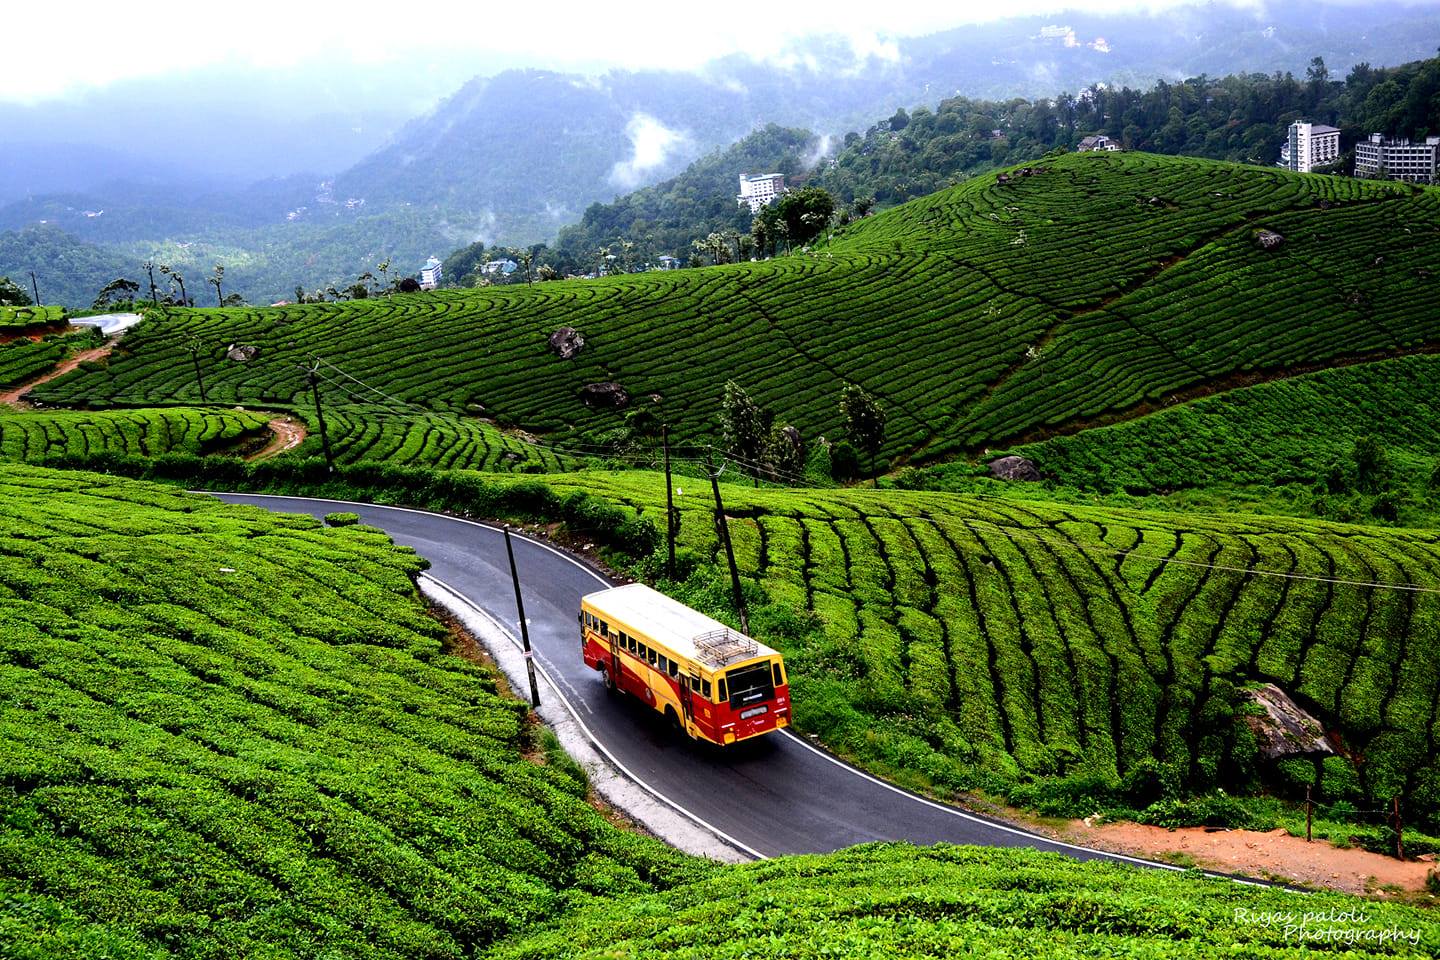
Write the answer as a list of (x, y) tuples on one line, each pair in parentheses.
[(744, 425), (118, 290), (865, 422), (217, 280), (1372, 465), (150, 272), (12, 294), (384, 267), (785, 454), (178, 280), (805, 213)]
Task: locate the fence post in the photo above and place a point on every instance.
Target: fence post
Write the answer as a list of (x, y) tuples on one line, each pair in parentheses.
[(1399, 829)]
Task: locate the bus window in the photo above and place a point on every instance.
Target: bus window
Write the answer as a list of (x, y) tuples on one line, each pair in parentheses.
[(604, 629), (720, 690), (705, 689), (651, 655), (694, 684), (749, 685), (664, 663), (641, 650), (634, 645), (779, 674), (674, 669), (623, 638)]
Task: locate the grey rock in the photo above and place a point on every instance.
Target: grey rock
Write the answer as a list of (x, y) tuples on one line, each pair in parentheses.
[(567, 342), (1014, 468), (241, 352), (1269, 240), (608, 394), (1284, 729)]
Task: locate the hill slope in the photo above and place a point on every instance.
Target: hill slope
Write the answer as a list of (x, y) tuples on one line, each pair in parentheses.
[(978, 315), (229, 732)]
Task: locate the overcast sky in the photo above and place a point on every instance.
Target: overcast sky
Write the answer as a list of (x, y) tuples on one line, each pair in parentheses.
[(71, 46)]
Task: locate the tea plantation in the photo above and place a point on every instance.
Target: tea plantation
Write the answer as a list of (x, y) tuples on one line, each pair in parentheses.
[(969, 641), (235, 733), (901, 902), (1089, 287), (232, 733), (48, 434), (29, 319), (1288, 431)]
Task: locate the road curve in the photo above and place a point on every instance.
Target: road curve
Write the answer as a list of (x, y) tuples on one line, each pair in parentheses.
[(775, 795)]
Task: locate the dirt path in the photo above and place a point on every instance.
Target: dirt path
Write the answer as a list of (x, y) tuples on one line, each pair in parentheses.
[(13, 396), (289, 434), (1266, 855)]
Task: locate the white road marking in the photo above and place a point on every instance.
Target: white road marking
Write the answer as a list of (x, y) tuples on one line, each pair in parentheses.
[(953, 811)]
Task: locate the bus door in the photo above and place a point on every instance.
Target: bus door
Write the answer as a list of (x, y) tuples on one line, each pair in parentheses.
[(615, 669), (687, 705)]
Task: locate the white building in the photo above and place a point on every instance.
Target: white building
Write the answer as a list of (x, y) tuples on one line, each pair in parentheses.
[(1098, 142), (430, 274), (1310, 145), (759, 191), (1397, 159)]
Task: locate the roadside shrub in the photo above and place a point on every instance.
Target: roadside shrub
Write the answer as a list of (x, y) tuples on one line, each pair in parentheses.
[(341, 519)]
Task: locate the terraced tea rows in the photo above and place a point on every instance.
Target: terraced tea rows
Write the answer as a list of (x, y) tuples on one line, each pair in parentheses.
[(360, 434), (982, 641), (26, 319), (897, 901), (977, 315), (23, 360), (1289, 431), (38, 435), (234, 733)]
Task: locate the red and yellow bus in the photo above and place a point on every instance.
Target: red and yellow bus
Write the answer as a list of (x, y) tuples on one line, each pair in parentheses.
[(712, 682)]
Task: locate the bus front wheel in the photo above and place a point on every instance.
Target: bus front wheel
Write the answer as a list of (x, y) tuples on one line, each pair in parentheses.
[(609, 679)]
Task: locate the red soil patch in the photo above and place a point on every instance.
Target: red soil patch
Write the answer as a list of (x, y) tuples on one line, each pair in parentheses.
[(14, 395), (288, 434)]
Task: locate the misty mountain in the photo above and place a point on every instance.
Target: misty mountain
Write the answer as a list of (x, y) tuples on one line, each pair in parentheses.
[(515, 156)]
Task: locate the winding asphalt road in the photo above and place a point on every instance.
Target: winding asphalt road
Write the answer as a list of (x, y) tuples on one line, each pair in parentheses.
[(774, 795)]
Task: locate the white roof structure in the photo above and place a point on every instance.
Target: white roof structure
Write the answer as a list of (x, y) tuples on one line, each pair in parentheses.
[(688, 633)]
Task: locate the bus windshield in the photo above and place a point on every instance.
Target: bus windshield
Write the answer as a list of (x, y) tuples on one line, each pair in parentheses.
[(750, 684)]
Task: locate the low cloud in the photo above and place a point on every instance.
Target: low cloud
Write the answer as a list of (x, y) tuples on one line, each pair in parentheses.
[(818, 152), (652, 144)]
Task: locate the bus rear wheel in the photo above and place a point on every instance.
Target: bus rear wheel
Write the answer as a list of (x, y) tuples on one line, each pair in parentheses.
[(609, 679)]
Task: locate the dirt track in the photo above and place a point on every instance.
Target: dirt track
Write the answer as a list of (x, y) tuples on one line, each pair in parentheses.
[(13, 395), (289, 434)]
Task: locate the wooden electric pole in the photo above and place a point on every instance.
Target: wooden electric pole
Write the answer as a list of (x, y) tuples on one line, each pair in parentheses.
[(35, 288), (723, 529), (311, 373), (669, 508), (194, 346), (524, 626)]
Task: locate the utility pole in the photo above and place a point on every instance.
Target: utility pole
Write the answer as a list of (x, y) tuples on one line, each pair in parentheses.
[(1309, 810), (35, 288), (524, 625), (669, 508), (320, 415), (1399, 829), (724, 531)]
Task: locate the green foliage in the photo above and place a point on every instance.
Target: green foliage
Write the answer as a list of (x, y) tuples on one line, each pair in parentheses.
[(744, 424), (230, 732), (341, 519), (26, 319), (79, 434), (929, 308), (864, 420), (1059, 653), (899, 901), (12, 294), (806, 213)]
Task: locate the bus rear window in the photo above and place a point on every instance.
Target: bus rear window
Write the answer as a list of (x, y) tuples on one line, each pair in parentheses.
[(750, 685)]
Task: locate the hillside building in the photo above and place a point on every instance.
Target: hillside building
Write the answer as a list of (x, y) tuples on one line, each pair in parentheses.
[(1381, 157), (1097, 142), (759, 191), (1309, 145), (430, 274)]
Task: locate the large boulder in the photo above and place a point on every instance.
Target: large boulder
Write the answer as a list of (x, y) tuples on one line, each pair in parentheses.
[(566, 342), (1013, 468), (609, 394), (241, 352), (1283, 729)]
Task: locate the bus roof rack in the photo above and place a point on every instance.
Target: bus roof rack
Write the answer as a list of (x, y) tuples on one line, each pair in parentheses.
[(725, 646)]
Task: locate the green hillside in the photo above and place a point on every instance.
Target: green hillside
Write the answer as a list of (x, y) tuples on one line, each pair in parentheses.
[(978, 315), (1046, 650), (1290, 431), (29, 319), (899, 902), (233, 733), (330, 780), (143, 433)]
